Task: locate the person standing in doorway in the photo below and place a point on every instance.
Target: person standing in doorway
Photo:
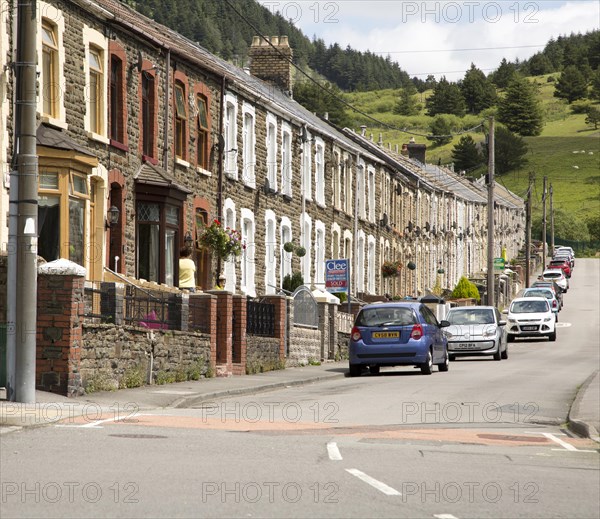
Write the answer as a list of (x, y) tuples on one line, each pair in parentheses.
[(187, 270)]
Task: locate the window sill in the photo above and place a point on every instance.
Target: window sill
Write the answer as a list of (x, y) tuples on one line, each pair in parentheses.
[(182, 163), (118, 145), (151, 160), (98, 138), (56, 123), (203, 171)]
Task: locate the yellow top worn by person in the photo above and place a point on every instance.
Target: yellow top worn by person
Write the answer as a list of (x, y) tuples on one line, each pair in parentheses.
[(187, 270)]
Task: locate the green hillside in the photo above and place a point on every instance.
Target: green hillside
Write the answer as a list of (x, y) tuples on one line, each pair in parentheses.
[(567, 151)]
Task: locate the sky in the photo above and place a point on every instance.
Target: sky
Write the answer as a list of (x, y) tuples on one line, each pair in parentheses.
[(441, 37)]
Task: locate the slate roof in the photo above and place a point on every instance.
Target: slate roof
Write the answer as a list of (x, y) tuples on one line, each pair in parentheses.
[(50, 137), (156, 176)]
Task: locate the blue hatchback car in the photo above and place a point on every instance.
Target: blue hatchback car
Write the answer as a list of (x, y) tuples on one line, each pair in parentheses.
[(397, 334)]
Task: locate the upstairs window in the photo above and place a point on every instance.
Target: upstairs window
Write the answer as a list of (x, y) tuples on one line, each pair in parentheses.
[(50, 66), (180, 121), (116, 99), (231, 137), (249, 146), (272, 152), (320, 172), (286, 160), (96, 95), (148, 107), (202, 149)]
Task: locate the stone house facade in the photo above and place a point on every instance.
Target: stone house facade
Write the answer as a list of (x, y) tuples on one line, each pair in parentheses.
[(133, 116)]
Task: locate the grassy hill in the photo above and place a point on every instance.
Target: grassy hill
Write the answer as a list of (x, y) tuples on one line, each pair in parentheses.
[(567, 151)]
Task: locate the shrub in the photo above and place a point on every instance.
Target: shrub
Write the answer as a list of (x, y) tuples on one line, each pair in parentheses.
[(465, 289), (291, 283)]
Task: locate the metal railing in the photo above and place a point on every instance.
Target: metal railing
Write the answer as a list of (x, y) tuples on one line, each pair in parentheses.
[(260, 318)]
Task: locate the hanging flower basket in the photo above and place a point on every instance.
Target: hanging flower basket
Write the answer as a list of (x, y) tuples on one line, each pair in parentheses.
[(391, 269), (440, 271), (288, 246), (411, 265), (224, 242)]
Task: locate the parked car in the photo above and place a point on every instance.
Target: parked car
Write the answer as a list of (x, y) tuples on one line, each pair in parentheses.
[(546, 292), (566, 254), (397, 334), (476, 330), (561, 263), (530, 317), (558, 277), (558, 292)]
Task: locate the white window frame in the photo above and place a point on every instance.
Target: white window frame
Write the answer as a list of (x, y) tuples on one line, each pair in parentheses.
[(306, 240), (320, 171), (371, 193), (270, 252), (56, 18), (93, 38), (286, 159), (229, 217), (336, 179), (249, 145), (360, 273), (230, 129), (248, 266), (335, 241), (271, 145), (371, 264), (349, 188), (307, 169), (320, 254), (285, 258)]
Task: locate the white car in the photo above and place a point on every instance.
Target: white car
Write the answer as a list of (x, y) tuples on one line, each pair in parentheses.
[(476, 330), (558, 276), (530, 317)]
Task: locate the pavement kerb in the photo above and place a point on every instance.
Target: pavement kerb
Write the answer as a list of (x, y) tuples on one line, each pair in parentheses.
[(574, 422), (203, 397)]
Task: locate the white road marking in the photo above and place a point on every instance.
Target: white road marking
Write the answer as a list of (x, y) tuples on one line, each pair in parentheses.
[(566, 445), (382, 487), (96, 424), (562, 325), (334, 452), (445, 516)]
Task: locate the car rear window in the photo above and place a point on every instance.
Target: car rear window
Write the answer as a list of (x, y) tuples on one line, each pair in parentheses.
[(539, 293), (470, 316), (385, 317), (529, 307)]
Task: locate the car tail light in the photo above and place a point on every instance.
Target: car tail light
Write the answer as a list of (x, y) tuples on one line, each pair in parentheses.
[(416, 332), (355, 334), (554, 304)]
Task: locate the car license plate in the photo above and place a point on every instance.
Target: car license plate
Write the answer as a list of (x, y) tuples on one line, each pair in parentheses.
[(529, 328), (466, 346), (386, 335)]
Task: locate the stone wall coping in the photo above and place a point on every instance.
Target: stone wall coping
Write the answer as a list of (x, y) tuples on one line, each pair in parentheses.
[(61, 267)]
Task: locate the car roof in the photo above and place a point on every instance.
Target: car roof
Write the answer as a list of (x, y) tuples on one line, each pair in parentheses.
[(478, 307), (529, 299), (545, 288), (552, 271), (394, 304)]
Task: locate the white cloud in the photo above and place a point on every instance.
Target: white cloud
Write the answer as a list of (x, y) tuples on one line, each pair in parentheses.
[(396, 27)]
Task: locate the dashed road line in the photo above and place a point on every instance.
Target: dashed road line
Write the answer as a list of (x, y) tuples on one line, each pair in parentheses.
[(334, 452), (382, 487), (445, 516)]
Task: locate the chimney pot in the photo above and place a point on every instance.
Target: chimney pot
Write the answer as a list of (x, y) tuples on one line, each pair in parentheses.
[(284, 41), (255, 41), (275, 40)]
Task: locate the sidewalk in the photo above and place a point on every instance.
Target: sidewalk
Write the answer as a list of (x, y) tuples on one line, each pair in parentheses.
[(583, 419), (50, 408)]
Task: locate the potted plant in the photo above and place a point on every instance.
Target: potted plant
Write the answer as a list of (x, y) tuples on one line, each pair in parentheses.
[(391, 269)]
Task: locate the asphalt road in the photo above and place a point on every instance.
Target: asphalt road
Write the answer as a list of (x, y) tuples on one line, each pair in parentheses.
[(485, 439)]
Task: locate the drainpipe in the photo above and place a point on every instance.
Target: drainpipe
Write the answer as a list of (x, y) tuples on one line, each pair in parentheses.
[(356, 204), (166, 123), (220, 147)]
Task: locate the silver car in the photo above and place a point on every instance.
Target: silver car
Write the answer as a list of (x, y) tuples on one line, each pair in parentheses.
[(476, 330)]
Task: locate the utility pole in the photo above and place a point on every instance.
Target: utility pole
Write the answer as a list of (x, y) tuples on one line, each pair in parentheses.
[(491, 299), (528, 231), (544, 252), (23, 214), (551, 222)]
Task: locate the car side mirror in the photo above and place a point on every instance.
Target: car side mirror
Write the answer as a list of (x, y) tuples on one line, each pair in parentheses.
[(501, 323), (444, 324)]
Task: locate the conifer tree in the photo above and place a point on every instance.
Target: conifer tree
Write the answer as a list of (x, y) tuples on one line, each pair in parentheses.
[(478, 92), (520, 109), (446, 99), (571, 85), (466, 155)]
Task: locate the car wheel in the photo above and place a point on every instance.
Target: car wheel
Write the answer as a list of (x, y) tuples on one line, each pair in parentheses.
[(498, 354), (355, 370), (374, 370), (510, 338), (444, 366), (505, 353), (427, 366), (452, 358), (556, 317), (552, 337)]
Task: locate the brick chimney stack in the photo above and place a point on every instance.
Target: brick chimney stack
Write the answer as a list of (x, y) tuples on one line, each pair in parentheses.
[(272, 64)]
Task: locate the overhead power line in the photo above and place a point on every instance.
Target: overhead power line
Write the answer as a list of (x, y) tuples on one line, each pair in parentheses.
[(341, 100), (456, 50)]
